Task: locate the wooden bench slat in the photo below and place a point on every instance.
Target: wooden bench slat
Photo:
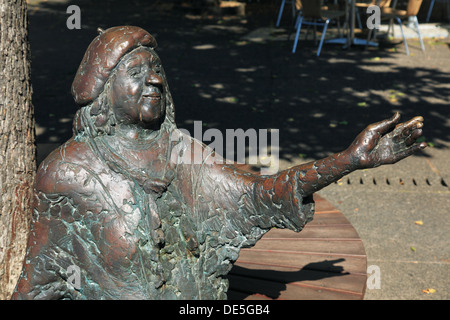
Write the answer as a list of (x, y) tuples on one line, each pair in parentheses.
[(312, 246), (331, 263), (289, 291), (320, 279), (328, 219), (331, 231), (323, 205)]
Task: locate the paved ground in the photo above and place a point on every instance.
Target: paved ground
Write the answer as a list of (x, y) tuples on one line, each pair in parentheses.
[(237, 72)]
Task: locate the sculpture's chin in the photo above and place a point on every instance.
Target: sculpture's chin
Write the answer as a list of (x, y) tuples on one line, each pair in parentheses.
[(152, 113)]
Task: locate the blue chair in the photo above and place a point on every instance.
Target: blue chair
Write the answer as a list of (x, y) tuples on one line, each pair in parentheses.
[(412, 9), (280, 13), (314, 11)]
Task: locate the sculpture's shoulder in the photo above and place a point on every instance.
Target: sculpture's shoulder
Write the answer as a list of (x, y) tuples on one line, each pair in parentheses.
[(67, 169)]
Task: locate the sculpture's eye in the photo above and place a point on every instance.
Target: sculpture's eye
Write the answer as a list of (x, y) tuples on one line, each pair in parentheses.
[(134, 72)]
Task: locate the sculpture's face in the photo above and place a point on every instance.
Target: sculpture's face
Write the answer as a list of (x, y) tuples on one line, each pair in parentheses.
[(137, 95)]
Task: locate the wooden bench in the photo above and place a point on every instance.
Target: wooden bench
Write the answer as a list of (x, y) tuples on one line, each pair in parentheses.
[(325, 261)]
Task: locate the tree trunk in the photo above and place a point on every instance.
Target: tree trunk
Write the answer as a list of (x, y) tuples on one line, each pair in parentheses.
[(17, 142)]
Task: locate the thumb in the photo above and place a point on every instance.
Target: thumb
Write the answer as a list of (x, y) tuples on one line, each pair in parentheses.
[(384, 126)]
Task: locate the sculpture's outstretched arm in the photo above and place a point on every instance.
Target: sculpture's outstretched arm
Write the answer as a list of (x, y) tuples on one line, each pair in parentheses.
[(384, 142)]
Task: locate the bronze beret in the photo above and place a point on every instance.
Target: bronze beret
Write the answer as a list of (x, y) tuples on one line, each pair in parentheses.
[(102, 55)]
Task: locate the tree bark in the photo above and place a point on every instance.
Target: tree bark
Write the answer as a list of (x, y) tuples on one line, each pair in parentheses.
[(17, 142)]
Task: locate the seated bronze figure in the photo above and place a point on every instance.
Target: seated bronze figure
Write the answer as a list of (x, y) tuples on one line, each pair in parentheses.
[(139, 222)]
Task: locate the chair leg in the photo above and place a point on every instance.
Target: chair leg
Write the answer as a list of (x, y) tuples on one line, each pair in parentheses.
[(358, 17), (391, 27), (315, 34), (430, 10), (294, 9), (370, 36), (280, 14), (323, 36), (297, 20), (341, 34), (418, 32), (403, 35), (299, 26)]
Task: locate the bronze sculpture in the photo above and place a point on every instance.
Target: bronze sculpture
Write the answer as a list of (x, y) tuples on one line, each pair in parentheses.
[(139, 222)]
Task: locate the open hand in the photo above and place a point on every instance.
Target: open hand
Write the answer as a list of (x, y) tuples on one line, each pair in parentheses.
[(376, 146)]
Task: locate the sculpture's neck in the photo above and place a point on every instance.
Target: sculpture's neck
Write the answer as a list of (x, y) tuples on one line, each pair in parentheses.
[(135, 133), (140, 154)]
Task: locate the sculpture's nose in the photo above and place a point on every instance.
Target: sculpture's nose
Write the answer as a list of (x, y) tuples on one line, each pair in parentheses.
[(153, 79)]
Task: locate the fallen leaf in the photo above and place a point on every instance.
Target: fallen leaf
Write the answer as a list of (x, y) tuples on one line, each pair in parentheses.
[(241, 43), (419, 222), (429, 290), (362, 104), (413, 249)]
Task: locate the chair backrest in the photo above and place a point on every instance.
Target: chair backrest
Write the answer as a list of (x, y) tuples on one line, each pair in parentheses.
[(312, 8), (413, 7), (382, 3)]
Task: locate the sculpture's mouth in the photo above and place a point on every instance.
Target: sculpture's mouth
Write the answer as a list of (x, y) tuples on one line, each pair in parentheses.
[(153, 96), (153, 93)]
